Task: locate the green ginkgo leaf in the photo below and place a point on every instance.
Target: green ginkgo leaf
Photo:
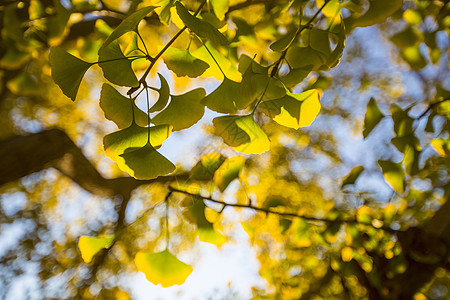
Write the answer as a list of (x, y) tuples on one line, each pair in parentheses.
[(120, 109), (332, 10), (183, 110), (293, 110), (183, 63), (378, 12), (145, 163), (300, 57), (372, 118), (90, 246), (242, 133), (284, 42), (163, 10), (207, 166), (201, 28), (164, 94), (129, 24), (116, 67), (394, 175), (225, 98), (67, 71), (162, 268), (352, 176), (228, 171), (220, 7)]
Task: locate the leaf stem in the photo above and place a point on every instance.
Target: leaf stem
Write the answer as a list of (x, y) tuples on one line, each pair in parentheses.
[(212, 56), (166, 200), (133, 57), (148, 114), (262, 96), (143, 43)]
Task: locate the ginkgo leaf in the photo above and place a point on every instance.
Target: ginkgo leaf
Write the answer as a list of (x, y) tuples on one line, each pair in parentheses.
[(284, 42), (378, 12), (293, 110), (300, 57), (296, 76), (120, 109), (228, 172), (67, 71), (213, 70), (208, 164), (129, 24), (183, 63), (164, 93), (242, 133), (90, 246), (441, 146), (332, 10), (352, 176), (23, 84), (163, 10), (319, 40), (393, 174), (162, 268), (220, 7), (201, 28), (145, 163), (225, 98), (116, 67), (372, 118), (206, 231), (183, 110), (132, 138)]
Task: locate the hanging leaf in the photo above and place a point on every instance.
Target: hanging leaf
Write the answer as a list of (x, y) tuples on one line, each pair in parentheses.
[(393, 174), (163, 9), (116, 67), (129, 24), (223, 62), (201, 28), (281, 44), (414, 57), (332, 10), (293, 110), (352, 176), (254, 80), (145, 163), (164, 93), (225, 98), (372, 118), (208, 164), (220, 7), (411, 36), (162, 268), (411, 160), (118, 108), (90, 246), (301, 57), (183, 111), (228, 171), (67, 71), (183, 63), (242, 133), (132, 138), (206, 231), (378, 12)]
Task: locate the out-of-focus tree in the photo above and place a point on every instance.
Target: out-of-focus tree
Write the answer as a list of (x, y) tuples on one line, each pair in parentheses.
[(316, 208)]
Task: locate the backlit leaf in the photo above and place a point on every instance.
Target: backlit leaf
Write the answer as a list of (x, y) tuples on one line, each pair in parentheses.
[(201, 28), (293, 110), (220, 7), (163, 10), (208, 164), (67, 71), (183, 110), (164, 93), (242, 133), (162, 268), (116, 67), (284, 42), (129, 24), (119, 109), (352, 176), (300, 57), (332, 10), (378, 12), (90, 246), (393, 174), (225, 98), (441, 146), (23, 84), (228, 171), (145, 163), (183, 63), (372, 118)]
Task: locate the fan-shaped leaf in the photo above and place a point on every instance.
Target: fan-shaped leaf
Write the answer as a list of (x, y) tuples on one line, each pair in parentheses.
[(183, 63), (293, 110), (201, 28), (242, 133), (378, 12), (393, 174), (116, 67), (183, 111), (220, 7), (372, 118), (352, 176), (225, 98), (441, 146), (228, 171), (300, 57), (119, 109), (67, 71), (129, 24), (162, 268), (163, 10), (284, 42), (90, 246), (164, 93), (208, 164)]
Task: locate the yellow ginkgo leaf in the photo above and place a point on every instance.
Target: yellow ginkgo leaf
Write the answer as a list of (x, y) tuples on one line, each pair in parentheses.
[(90, 246), (162, 268)]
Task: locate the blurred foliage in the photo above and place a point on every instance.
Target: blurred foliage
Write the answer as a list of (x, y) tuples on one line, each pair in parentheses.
[(345, 131)]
